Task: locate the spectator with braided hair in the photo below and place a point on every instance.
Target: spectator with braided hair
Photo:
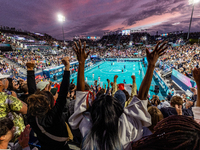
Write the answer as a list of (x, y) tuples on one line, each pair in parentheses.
[(172, 133)]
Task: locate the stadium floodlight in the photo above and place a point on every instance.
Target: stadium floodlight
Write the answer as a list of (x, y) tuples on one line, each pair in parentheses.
[(61, 18), (191, 2)]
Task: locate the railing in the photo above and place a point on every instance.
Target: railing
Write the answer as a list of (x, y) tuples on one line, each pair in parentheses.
[(86, 69), (162, 83), (124, 59)]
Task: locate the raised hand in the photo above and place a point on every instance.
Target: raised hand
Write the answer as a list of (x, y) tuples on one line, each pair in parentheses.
[(178, 109), (30, 65), (152, 59), (116, 76), (24, 137), (157, 52), (66, 62), (108, 81), (80, 52), (196, 75), (133, 77)]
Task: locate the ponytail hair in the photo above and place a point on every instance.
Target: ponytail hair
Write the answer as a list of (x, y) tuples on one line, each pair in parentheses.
[(105, 113)]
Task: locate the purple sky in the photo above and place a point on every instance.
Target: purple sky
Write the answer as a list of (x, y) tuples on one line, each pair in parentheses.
[(94, 17)]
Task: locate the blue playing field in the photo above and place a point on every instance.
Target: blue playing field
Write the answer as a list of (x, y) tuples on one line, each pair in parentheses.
[(108, 71)]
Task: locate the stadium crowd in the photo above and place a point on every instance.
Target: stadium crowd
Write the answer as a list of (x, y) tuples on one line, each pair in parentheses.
[(6, 68), (95, 118), (42, 61), (183, 58)]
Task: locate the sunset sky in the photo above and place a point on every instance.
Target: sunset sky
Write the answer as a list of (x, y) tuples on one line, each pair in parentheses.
[(94, 17)]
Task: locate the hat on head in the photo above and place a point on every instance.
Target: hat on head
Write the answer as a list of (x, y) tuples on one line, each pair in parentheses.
[(54, 90), (41, 85), (121, 97), (4, 76)]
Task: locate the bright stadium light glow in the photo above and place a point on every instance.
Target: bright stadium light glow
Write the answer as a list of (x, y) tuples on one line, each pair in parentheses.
[(61, 18), (192, 2)]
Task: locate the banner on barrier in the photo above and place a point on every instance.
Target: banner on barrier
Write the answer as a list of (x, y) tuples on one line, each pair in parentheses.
[(183, 81)]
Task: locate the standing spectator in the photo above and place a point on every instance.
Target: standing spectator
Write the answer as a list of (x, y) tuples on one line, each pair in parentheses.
[(107, 125), (194, 96), (11, 106), (169, 96), (7, 130), (46, 119)]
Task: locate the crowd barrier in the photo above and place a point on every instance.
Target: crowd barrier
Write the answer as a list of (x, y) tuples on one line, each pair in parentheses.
[(86, 69), (182, 81), (164, 66), (161, 81), (123, 59)]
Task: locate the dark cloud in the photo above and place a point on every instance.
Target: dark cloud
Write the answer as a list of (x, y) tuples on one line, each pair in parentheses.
[(94, 17)]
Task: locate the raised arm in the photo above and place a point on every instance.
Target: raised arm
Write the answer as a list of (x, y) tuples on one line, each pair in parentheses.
[(57, 110), (81, 56), (152, 59), (115, 85), (108, 88), (134, 87), (31, 77)]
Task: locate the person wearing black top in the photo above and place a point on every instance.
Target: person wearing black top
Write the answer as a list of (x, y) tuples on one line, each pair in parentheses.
[(47, 120)]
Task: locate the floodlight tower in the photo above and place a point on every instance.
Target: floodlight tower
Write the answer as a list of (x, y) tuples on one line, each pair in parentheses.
[(61, 19), (191, 2)]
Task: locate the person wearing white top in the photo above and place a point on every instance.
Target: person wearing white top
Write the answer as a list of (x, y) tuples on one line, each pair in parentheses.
[(107, 125)]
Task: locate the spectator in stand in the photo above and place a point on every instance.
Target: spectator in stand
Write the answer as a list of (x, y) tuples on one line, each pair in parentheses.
[(46, 119), (156, 116), (24, 89), (11, 107), (7, 130), (169, 96), (43, 86), (175, 100), (194, 96), (101, 130), (174, 132), (155, 101)]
